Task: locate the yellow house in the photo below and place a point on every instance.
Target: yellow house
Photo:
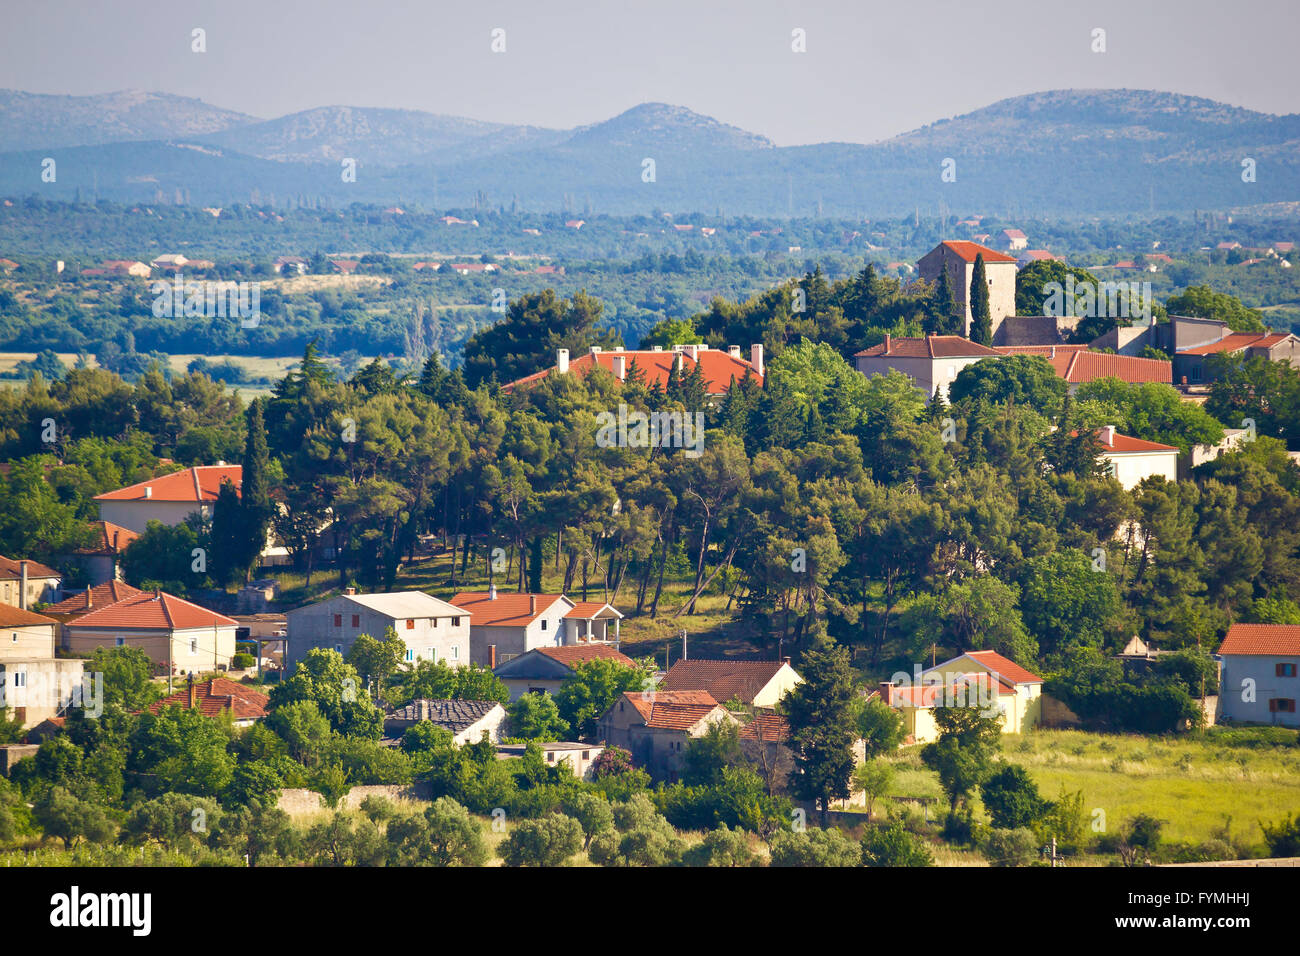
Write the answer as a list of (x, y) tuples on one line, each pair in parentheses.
[(997, 685)]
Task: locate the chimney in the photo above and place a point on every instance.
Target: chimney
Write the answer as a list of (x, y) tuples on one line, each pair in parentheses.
[(887, 692), (22, 586), (619, 348), (595, 350), (733, 351), (1053, 351), (192, 690), (756, 357), (1184, 381), (148, 491), (492, 657), (1108, 435), (492, 592), (656, 348), (620, 367), (677, 360), (562, 361), (349, 591), (532, 604), (886, 343)]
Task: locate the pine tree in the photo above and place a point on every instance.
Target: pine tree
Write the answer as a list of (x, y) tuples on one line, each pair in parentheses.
[(255, 494), (981, 322)]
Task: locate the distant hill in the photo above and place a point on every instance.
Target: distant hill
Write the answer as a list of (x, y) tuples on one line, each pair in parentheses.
[(1063, 152), (43, 121)]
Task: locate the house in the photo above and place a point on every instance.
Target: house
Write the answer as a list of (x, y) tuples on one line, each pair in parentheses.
[(468, 720), (170, 498), (504, 626), (466, 268), (344, 266), (754, 683), (7, 265), (1193, 365), (543, 669), (1129, 459), (574, 223), (100, 559), (216, 696), (1078, 364), (590, 623), (931, 362), (24, 583), (580, 757), (720, 369), (958, 258), (179, 636), (655, 727), (126, 267), (1029, 256), (1257, 676), (290, 265), (1012, 239), (997, 684), (431, 629), (172, 260), (35, 685)]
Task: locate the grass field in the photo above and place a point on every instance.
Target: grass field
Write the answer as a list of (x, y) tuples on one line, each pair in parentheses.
[(1201, 786)]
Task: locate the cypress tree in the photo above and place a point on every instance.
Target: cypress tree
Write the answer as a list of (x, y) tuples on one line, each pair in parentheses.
[(942, 318), (255, 493), (981, 322)]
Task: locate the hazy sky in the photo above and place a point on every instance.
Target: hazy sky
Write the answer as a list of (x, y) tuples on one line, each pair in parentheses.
[(871, 70)]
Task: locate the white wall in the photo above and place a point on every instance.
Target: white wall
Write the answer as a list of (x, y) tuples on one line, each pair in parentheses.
[(1262, 671)]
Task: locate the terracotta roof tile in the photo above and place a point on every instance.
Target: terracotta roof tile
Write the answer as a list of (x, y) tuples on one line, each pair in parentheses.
[(722, 680), (148, 611), (1273, 640), (219, 694), (766, 728), (672, 710), (507, 610), (719, 367), (11, 616), (930, 346), (1078, 364), (1004, 666), (110, 538), (191, 484), (11, 570), (1236, 341), (99, 596), (583, 610), (579, 653), (967, 251)]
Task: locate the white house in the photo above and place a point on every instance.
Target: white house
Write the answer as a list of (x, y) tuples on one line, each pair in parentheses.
[(755, 683), (503, 626), (34, 684), (170, 498), (931, 362), (1257, 677), (431, 629), (1132, 459), (180, 637)]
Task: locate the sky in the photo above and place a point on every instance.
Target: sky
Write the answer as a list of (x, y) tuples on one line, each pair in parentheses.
[(869, 71)]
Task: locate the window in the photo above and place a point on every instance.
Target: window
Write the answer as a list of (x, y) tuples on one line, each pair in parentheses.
[(410, 624), (410, 654), (20, 678), (1281, 705), (120, 641), (455, 652), (194, 645), (338, 620), (1285, 670), (431, 653), (15, 637), (544, 623), (455, 622), (550, 756), (356, 620), (339, 648), (586, 755)]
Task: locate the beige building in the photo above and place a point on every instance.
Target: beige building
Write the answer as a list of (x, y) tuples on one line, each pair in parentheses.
[(958, 258), (506, 625), (931, 362), (997, 685), (544, 669), (178, 636), (25, 583), (34, 684), (169, 499), (580, 758), (657, 726), (753, 683), (431, 629)]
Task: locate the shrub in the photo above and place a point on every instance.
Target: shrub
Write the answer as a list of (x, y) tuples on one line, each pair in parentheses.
[(548, 841), (1011, 847), (892, 845), (814, 848)]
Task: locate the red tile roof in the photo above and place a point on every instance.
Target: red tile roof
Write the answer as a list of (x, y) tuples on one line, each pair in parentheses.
[(1004, 666), (672, 710), (967, 251), (722, 680), (112, 538), (11, 616), (191, 484), (1236, 341), (930, 346), (97, 597), (941, 693), (153, 611), (579, 653), (11, 570), (1127, 443), (508, 610), (217, 695), (766, 728), (1272, 640), (584, 610), (719, 367), (1078, 364)]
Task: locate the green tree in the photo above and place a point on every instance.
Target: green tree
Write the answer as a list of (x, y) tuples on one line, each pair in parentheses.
[(128, 676), (981, 316), (962, 756), (874, 778), (1011, 798), (892, 845), (333, 684), (534, 716), (814, 847), (591, 689), (820, 711), (377, 660), (549, 840)]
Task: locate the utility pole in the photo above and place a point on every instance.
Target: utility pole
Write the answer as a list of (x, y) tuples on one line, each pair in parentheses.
[(683, 643)]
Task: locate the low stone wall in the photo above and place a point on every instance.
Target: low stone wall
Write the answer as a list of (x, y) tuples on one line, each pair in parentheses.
[(10, 754), (300, 800)]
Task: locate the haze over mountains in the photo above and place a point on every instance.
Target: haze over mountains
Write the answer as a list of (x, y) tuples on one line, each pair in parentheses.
[(1064, 152)]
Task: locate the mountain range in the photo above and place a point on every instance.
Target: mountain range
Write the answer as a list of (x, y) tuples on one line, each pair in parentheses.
[(1060, 152)]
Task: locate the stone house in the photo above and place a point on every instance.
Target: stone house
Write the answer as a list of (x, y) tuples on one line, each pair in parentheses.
[(431, 629), (655, 727), (958, 258)]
